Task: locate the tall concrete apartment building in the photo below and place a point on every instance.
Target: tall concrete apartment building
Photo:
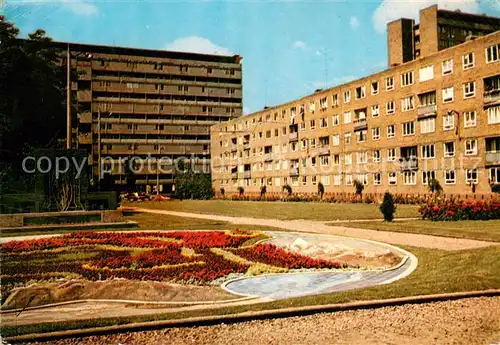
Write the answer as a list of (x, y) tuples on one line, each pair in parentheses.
[(435, 116), (149, 104)]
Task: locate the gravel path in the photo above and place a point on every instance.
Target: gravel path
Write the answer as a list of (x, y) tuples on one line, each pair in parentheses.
[(406, 239), (467, 321)]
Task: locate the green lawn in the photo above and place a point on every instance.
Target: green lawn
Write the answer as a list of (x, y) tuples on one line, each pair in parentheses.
[(488, 230), (159, 222), (278, 210), (438, 272)]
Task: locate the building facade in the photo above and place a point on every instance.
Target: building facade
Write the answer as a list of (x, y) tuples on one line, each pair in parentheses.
[(437, 29), (435, 117), (148, 104)]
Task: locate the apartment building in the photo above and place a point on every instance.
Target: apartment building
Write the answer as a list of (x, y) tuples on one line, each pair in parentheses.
[(148, 104), (437, 29), (437, 116)]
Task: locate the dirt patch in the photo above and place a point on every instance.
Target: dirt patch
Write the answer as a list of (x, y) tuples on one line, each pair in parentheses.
[(62, 291), (359, 260)]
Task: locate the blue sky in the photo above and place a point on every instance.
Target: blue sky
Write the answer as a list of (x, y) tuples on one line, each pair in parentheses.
[(289, 48)]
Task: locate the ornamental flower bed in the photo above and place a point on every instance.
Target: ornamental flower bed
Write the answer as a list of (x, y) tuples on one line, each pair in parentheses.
[(461, 210), (182, 257)]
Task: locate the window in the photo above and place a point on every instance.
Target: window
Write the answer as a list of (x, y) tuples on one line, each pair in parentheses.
[(391, 155), (426, 73), (361, 157), (348, 159), (303, 144), (376, 156), (448, 94), (428, 125), (393, 178), (324, 160), (313, 180), (325, 179), (470, 147), (449, 149), (375, 88), (494, 115), (391, 131), (323, 103), (493, 53), (348, 180), (361, 136), (495, 175), (347, 117), (337, 180), (336, 159), (410, 177), (335, 120), (428, 176), (360, 92), (347, 96), (335, 100), (408, 128), (407, 78), (313, 161), (304, 180), (375, 110), (448, 121), (336, 140), (312, 143), (363, 178), (323, 123), (469, 89), (468, 61), (428, 151), (449, 177), (389, 83), (312, 124), (470, 119), (471, 176), (408, 103), (447, 67), (376, 133), (347, 138), (390, 107), (377, 178)]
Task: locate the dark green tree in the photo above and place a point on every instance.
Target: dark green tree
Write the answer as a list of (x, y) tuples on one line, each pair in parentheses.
[(321, 190), (388, 207), (192, 185), (263, 191), (359, 187)]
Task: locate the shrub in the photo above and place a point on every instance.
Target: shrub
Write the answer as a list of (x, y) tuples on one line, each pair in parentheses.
[(321, 190), (288, 189), (222, 191), (241, 190), (263, 191), (388, 207), (359, 187), (460, 210), (434, 186)]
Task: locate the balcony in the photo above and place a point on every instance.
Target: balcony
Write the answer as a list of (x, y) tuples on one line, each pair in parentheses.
[(246, 145), (492, 97), (294, 171), (360, 124), (85, 139), (268, 156), (84, 95), (408, 164), (86, 117), (233, 148), (234, 175), (492, 157), (324, 150), (246, 174), (425, 111), (293, 136)]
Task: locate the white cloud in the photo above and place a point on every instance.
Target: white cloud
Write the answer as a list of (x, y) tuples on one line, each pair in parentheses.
[(299, 45), (196, 44), (79, 7), (390, 10), (354, 22)]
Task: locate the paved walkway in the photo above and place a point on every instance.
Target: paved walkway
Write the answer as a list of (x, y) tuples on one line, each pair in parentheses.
[(405, 239)]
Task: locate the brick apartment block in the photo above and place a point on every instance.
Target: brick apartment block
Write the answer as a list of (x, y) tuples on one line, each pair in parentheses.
[(434, 113)]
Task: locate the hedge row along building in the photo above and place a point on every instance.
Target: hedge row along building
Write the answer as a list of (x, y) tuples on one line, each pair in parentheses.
[(434, 113), (148, 104)]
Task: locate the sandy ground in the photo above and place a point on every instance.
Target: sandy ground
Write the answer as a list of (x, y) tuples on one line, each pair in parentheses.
[(467, 321), (398, 238)]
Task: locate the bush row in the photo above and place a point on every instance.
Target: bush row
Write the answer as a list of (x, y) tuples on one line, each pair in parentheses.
[(461, 210)]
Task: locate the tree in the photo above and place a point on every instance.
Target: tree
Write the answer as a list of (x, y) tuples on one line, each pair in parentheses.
[(358, 188), (263, 191), (241, 190), (321, 190), (33, 101), (192, 185), (130, 170), (388, 207), (287, 189), (434, 186)]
